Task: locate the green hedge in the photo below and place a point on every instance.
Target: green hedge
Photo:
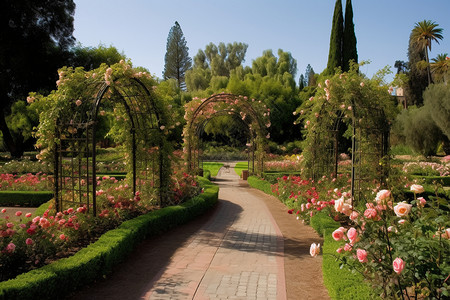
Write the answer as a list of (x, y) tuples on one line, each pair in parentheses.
[(99, 258), (24, 198), (341, 283), (260, 184), (444, 180)]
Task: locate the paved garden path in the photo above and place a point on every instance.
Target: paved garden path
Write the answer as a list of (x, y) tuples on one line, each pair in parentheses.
[(237, 251)]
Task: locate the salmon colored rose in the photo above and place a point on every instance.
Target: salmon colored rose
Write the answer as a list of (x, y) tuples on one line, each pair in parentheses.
[(402, 209)]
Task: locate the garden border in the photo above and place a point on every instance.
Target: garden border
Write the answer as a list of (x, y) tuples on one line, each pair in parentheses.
[(340, 283), (99, 258)]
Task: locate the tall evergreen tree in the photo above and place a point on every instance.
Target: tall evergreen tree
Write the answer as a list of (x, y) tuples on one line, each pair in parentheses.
[(349, 51), (309, 76), (34, 40), (177, 60), (418, 80), (301, 82), (337, 31)]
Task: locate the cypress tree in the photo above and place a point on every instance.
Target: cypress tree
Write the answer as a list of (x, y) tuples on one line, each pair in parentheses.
[(337, 30), (177, 60), (349, 51)]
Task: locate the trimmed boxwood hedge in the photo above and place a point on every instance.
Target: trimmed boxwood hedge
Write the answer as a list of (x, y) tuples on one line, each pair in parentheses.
[(257, 183), (24, 198), (341, 283), (99, 258)]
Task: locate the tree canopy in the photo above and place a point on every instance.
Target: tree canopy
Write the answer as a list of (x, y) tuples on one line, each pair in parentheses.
[(35, 37)]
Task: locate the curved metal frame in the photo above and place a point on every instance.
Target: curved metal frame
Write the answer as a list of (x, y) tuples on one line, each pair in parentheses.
[(247, 107), (79, 177), (381, 145)]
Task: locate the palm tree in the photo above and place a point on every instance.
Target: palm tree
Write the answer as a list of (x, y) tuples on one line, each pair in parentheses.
[(440, 67), (422, 35)]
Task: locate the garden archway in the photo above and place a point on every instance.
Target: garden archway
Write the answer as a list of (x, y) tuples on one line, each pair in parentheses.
[(125, 98), (348, 105), (252, 113)]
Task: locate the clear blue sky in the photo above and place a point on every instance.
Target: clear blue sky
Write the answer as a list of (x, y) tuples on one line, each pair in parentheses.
[(139, 28)]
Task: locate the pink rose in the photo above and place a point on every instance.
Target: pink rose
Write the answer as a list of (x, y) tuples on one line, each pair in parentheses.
[(398, 264), (447, 233), (29, 241), (314, 250), (402, 209), (18, 213), (382, 196), (421, 201), (370, 213), (347, 247), (28, 215), (354, 215), (417, 189), (78, 102), (362, 255), (3, 210), (339, 250), (352, 234), (62, 236), (11, 247), (338, 235)]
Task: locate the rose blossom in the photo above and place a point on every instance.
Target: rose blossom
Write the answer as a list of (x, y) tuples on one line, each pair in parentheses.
[(28, 215), (352, 234), (417, 189), (339, 204), (421, 201), (398, 264), (362, 255), (29, 241), (382, 196), (402, 209), (62, 236), (347, 247), (18, 213), (314, 250), (11, 247), (370, 213), (446, 233), (354, 215), (338, 235)]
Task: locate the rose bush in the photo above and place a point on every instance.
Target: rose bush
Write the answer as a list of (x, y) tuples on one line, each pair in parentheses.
[(33, 241), (403, 250)]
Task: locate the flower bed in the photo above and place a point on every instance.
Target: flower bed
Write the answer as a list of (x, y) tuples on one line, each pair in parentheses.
[(400, 248), (33, 241), (99, 258)]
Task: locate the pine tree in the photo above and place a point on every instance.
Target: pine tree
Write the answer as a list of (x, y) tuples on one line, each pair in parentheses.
[(301, 82), (349, 51), (177, 60), (337, 30), (309, 76)]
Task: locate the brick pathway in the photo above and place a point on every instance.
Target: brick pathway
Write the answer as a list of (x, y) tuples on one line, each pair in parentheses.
[(238, 254)]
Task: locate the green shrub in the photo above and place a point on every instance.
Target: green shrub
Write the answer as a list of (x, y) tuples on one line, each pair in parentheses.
[(24, 198), (260, 184)]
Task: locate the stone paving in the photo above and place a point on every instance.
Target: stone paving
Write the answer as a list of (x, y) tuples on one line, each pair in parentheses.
[(238, 254)]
